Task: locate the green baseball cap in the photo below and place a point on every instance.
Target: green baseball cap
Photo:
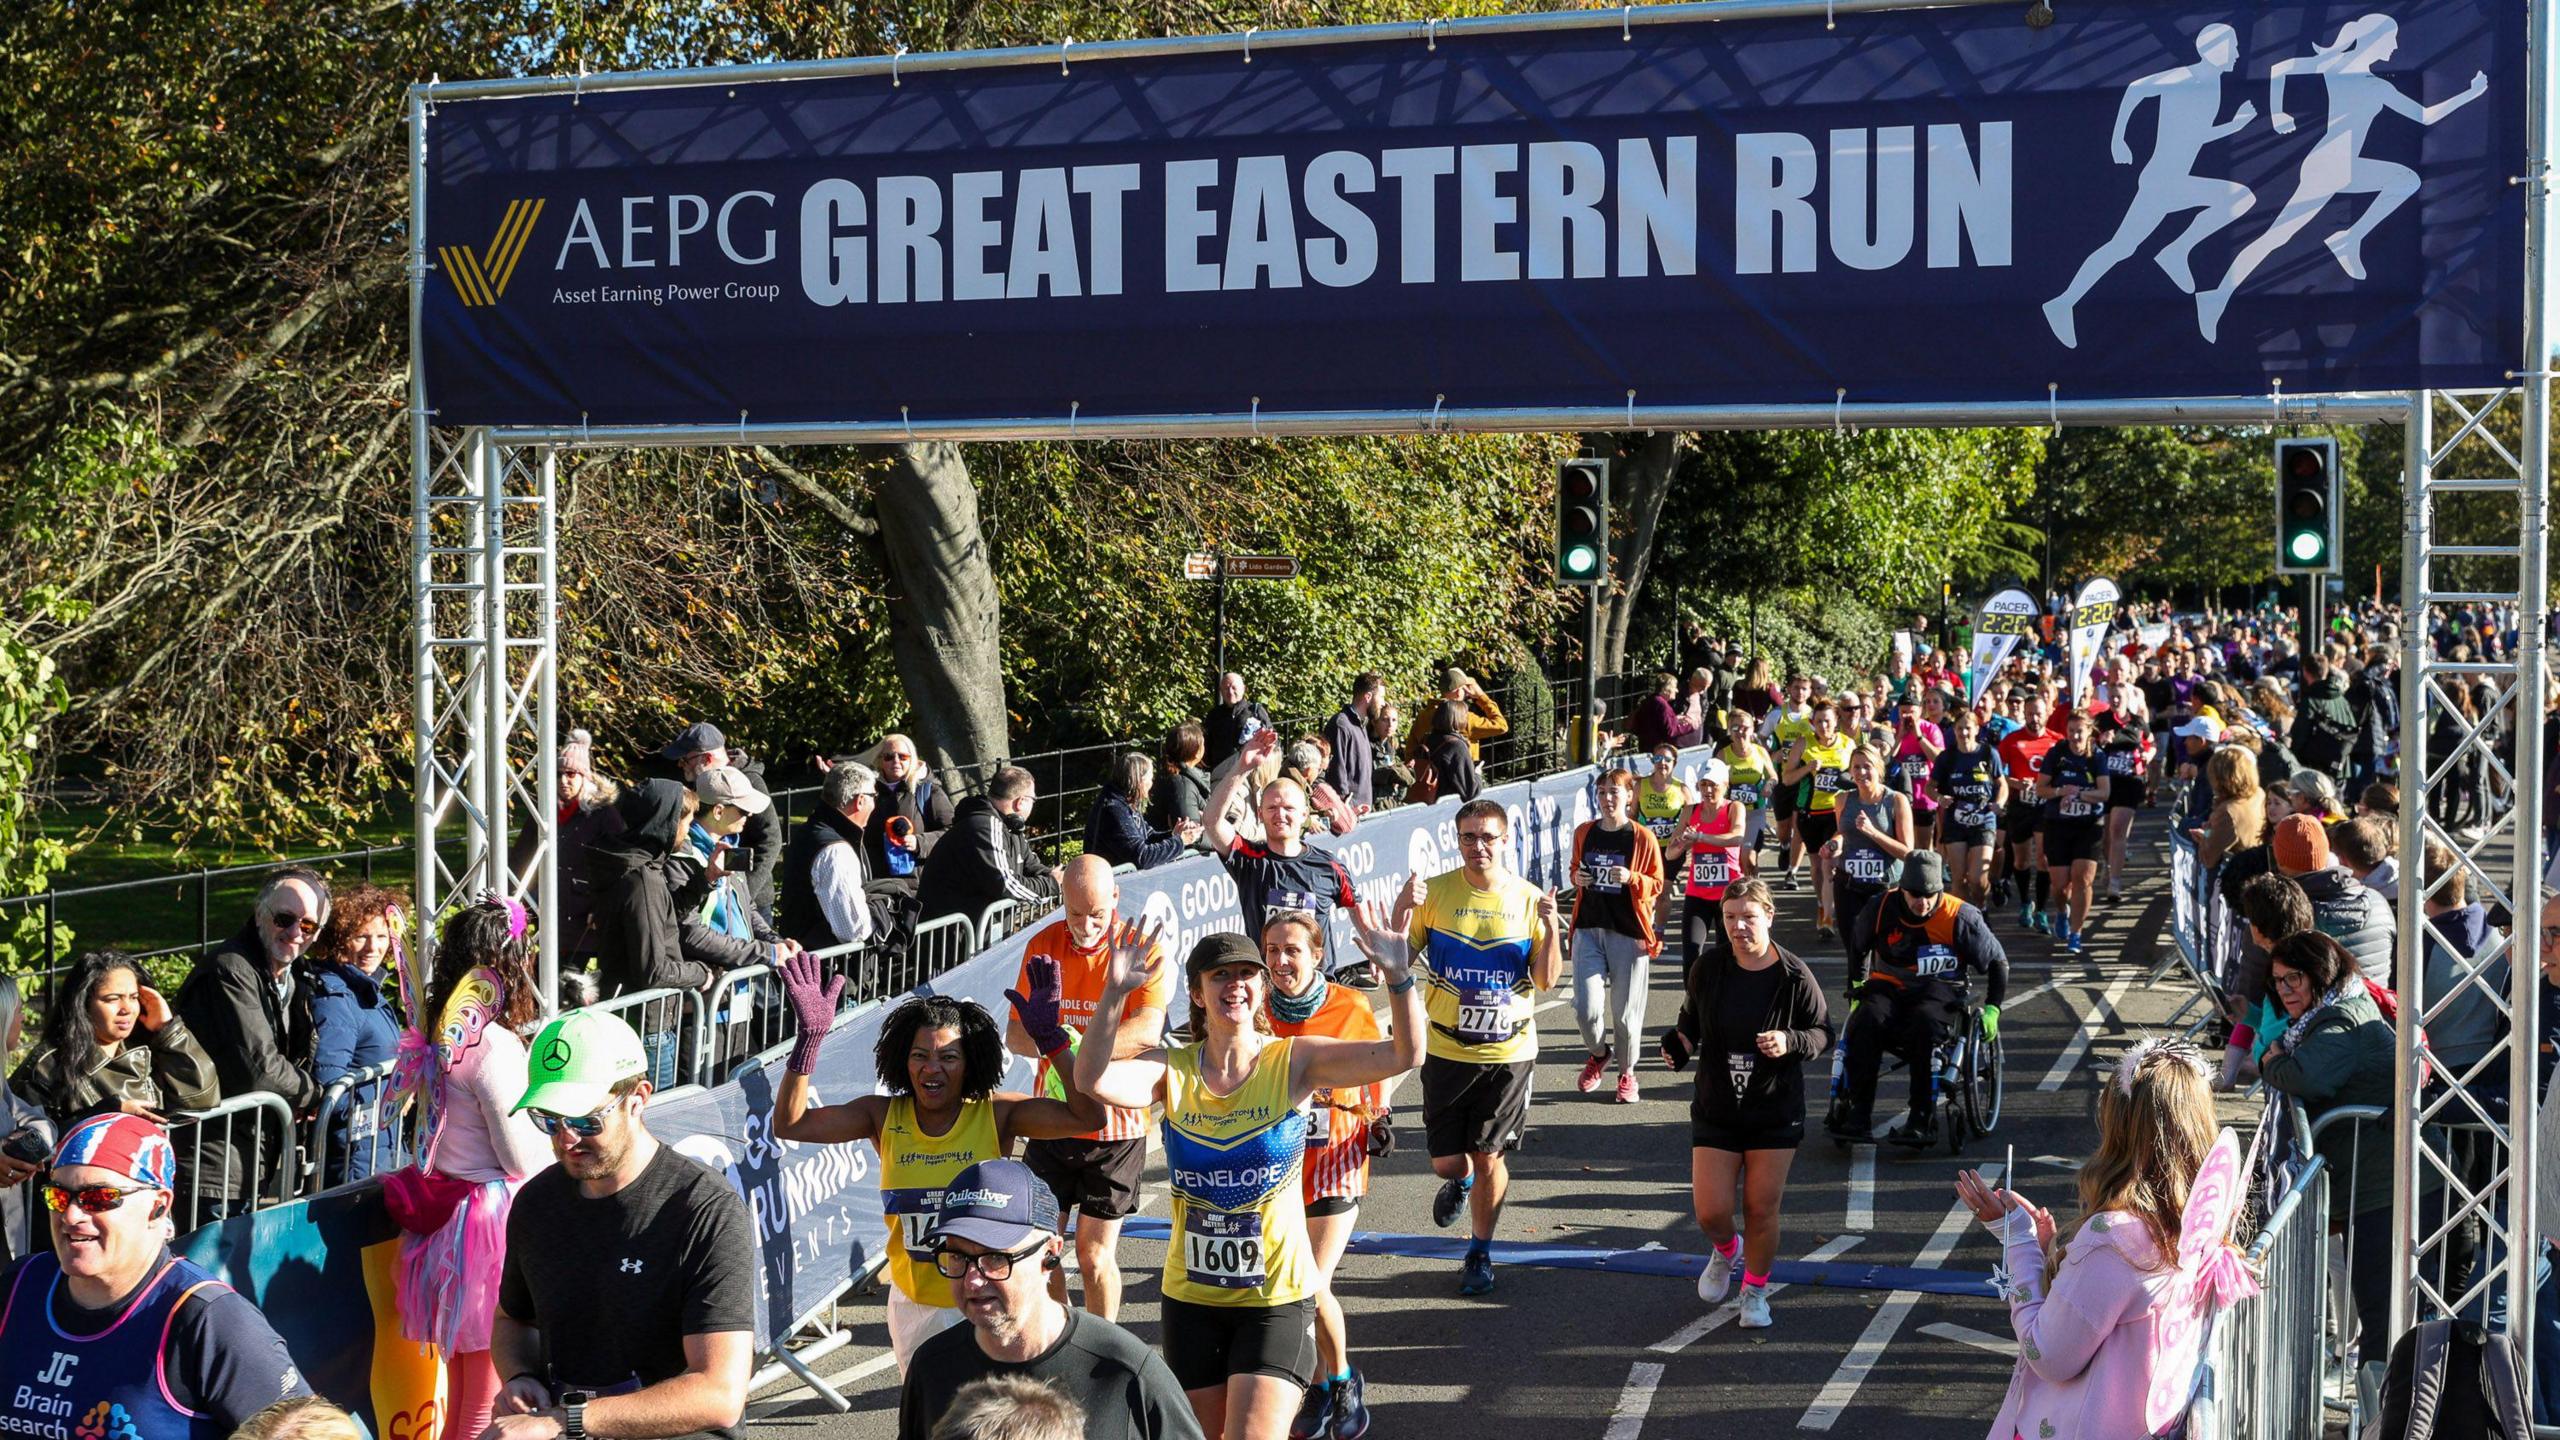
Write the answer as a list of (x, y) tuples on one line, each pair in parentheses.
[(578, 1059)]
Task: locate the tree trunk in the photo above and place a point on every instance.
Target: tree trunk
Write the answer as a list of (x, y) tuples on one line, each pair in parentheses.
[(1640, 470), (942, 606)]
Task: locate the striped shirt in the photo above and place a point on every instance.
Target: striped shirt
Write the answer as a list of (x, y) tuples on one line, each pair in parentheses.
[(1337, 1162)]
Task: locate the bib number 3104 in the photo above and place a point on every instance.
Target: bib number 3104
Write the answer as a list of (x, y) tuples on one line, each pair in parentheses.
[(1223, 1250)]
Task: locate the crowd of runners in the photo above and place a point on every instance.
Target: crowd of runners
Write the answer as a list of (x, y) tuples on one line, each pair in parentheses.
[(1941, 811)]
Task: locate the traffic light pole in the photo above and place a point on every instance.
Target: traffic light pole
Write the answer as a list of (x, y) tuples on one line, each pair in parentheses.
[(1586, 729)]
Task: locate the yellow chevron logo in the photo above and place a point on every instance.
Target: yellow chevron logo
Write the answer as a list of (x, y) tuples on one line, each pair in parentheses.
[(481, 277)]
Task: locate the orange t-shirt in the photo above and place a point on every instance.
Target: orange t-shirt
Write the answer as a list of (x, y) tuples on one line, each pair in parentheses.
[(1337, 1160), (1080, 977)]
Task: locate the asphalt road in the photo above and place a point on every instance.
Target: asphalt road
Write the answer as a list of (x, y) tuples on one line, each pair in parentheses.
[(1601, 1334)]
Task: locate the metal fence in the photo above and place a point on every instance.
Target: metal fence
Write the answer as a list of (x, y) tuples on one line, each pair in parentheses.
[(235, 1157), (2256, 1383)]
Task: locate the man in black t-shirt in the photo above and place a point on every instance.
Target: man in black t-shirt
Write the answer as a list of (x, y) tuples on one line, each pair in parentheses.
[(627, 1303), (998, 1228), (1283, 871)]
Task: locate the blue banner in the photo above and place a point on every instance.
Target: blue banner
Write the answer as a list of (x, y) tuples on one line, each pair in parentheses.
[(816, 1208), (1918, 206)]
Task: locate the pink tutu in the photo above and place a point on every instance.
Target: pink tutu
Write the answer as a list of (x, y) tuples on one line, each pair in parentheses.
[(449, 1279)]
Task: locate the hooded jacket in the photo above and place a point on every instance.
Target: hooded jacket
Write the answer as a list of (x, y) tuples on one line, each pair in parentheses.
[(642, 885), (983, 858), (2324, 725), (2345, 911)]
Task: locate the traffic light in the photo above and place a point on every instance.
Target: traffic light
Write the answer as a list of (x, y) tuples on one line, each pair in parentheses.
[(1582, 522), (2306, 507)]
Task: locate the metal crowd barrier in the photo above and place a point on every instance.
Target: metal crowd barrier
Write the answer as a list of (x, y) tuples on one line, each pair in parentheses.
[(2200, 924), (669, 1024), (2260, 1385), (236, 1157), (352, 1137)]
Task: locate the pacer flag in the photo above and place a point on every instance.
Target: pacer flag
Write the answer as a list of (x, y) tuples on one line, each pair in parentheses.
[(2093, 613), (2163, 198), (2003, 621)]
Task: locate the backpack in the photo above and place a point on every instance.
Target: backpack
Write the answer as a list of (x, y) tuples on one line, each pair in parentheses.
[(2450, 1378)]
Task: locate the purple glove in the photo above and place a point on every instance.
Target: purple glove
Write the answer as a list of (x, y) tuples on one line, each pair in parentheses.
[(813, 1008), (1038, 1011)]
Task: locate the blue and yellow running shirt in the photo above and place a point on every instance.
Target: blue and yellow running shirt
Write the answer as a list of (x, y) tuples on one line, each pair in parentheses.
[(1473, 947), (915, 1168), (1239, 1216)]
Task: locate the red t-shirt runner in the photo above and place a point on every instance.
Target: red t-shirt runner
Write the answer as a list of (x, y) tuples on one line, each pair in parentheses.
[(2022, 755)]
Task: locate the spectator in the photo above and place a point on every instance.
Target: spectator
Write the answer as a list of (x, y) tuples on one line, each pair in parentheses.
[(986, 856), (1305, 762), (2373, 696), (243, 1004), (585, 815), (996, 1239), (1389, 775), (642, 877), (2316, 795), (352, 979), (725, 931), (701, 747), (1182, 791), (2239, 819), (2382, 798), (626, 1228), (2337, 1049), (1447, 757), (1116, 829), (827, 901), (110, 1043), (1479, 719), (109, 1325), (2463, 1024), (1351, 770), (907, 792), (1232, 721), (2342, 909), (1009, 1407), (1659, 719), (464, 1061), (2368, 847), (26, 1136), (2325, 723), (2274, 909)]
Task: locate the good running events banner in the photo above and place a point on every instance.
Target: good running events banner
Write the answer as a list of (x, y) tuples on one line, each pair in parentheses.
[(2139, 200), (2004, 620), (816, 1208)]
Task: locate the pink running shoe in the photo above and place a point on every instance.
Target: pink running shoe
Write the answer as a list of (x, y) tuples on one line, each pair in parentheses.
[(1592, 1069), (1626, 1087)]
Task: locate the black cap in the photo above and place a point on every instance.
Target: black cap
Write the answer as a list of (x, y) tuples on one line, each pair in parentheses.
[(1225, 947), (694, 739), (1924, 875)]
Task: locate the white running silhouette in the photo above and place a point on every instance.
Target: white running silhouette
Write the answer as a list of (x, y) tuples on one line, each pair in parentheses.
[(2190, 96), (2337, 165)]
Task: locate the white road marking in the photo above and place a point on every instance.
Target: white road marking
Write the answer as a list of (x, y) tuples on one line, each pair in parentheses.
[(1862, 1188), (2072, 1054), (1633, 1401), (1978, 1339), (1842, 1387), (1689, 1334)]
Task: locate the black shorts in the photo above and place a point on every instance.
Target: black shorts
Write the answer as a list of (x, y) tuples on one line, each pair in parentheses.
[(1782, 801), (1964, 834), (1332, 1205), (1816, 827), (1706, 1133), (1472, 1109), (1098, 1177), (2126, 792), (2069, 840), (2022, 821), (1205, 1345)]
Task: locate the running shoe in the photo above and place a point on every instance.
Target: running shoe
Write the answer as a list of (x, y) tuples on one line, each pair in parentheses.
[(1789, 882), (1716, 1281), (2059, 924), (1315, 1415), (1350, 1408), (2027, 915), (1626, 1087), (1446, 1205), (1825, 932), (1755, 1308), (2078, 942), (1477, 1277), (1592, 1070)]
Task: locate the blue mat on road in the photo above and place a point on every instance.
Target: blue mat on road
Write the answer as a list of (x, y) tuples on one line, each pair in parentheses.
[(1836, 1274)]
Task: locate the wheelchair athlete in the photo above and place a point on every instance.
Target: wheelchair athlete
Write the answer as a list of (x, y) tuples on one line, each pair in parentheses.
[(1910, 950)]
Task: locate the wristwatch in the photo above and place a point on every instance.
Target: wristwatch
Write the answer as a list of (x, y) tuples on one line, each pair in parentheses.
[(573, 1413)]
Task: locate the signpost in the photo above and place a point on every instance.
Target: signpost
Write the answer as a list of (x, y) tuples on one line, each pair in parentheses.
[(1210, 565)]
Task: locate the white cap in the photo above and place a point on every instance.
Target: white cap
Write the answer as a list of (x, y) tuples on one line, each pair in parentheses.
[(2198, 728), (1713, 769)]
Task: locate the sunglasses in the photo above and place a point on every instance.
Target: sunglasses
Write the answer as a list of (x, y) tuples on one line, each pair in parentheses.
[(585, 1127), (96, 1199), (303, 923), (994, 1264)]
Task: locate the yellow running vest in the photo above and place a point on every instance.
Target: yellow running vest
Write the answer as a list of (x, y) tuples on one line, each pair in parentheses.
[(914, 1170), (1239, 1219)]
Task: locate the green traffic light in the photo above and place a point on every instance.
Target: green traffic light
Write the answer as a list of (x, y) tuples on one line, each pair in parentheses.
[(1581, 560), (2306, 546)]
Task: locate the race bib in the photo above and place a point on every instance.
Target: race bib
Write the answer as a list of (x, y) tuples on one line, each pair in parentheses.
[(1915, 770), (1748, 793), (1867, 867), (1604, 879), (1221, 1248), (1710, 866), (2080, 809), (2120, 762), (1484, 1016), (911, 1217), (1974, 817), (1739, 1067), (1934, 960), (1662, 826), (1830, 781)]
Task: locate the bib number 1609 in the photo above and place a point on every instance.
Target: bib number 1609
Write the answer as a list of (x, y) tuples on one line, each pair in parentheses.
[(1233, 1263)]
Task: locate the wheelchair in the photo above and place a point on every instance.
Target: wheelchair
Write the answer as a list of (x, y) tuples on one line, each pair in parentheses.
[(1967, 1091)]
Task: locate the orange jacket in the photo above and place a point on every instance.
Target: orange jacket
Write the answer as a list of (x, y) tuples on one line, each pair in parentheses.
[(1644, 886)]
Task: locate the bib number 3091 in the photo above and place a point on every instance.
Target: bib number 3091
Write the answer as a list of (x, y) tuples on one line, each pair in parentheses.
[(1223, 1250)]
